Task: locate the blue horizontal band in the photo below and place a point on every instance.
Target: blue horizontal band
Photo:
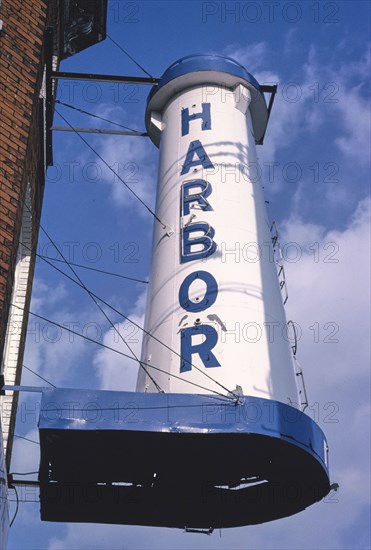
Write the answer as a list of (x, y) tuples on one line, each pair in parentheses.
[(85, 410)]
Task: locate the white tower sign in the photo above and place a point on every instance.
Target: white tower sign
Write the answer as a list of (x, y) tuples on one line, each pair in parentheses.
[(214, 296)]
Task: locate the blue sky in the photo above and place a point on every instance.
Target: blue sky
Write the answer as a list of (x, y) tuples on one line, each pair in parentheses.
[(315, 168)]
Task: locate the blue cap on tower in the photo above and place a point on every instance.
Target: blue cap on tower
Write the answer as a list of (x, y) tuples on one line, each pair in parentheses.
[(207, 70)]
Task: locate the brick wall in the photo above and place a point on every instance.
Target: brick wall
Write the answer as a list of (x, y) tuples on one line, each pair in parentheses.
[(21, 71)]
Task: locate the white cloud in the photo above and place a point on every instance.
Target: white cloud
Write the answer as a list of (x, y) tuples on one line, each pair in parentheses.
[(251, 57), (57, 354), (293, 110), (329, 299), (330, 284), (354, 110), (115, 371), (305, 105), (342, 91), (133, 159), (43, 294)]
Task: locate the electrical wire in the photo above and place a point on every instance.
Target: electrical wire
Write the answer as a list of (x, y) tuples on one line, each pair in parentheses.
[(17, 506), (118, 352), (93, 269), (39, 376), (27, 500), (81, 10), (101, 309), (82, 285), (27, 439), (235, 396), (129, 56), (143, 330), (111, 169), (95, 116)]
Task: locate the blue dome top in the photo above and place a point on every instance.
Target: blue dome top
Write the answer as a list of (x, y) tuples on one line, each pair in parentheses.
[(187, 72), (206, 62)]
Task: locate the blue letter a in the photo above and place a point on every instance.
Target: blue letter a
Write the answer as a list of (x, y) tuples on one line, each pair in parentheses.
[(196, 148)]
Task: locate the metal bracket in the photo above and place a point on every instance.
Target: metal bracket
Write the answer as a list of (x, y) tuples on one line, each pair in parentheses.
[(279, 262), (269, 89), (6, 387), (294, 347), (98, 131), (25, 482), (168, 230), (104, 78), (49, 101), (208, 531), (302, 393)]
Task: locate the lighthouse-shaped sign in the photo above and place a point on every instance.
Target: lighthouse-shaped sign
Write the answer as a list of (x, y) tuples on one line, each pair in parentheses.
[(214, 303), (213, 436)]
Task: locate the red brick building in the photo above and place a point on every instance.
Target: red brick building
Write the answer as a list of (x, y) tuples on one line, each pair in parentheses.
[(22, 171), (34, 36)]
